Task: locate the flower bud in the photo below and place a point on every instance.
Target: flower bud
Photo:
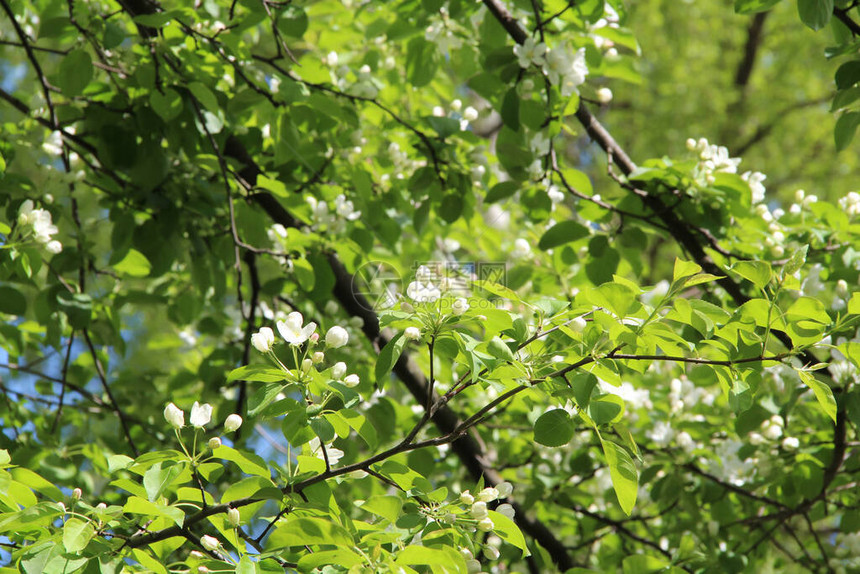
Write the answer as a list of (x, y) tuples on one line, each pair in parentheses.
[(466, 497), (491, 552), (578, 325), (473, 566), (604, 95), (233, 518), (263, 340), (790, 443), (214, 442), (338, 370), (351, 380), (412, 333), (470, 114), (460, 306), (232, 423), (842, 288), (174, 416), (479, 510), (62, 507), (210, 543), (76, 494), (306, 365), (336, 337), (485, 525), (315, 337), (318, 357)]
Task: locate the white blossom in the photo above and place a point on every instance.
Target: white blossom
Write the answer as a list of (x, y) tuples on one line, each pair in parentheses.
[(174, 415), (504, 489), (566, 70), (338, 370), (755, 179), (292, 330), (412, 333), (530, 52), (200, 414), (522, 249)]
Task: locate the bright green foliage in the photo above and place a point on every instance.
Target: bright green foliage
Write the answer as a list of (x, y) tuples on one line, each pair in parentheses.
[(343, 286)]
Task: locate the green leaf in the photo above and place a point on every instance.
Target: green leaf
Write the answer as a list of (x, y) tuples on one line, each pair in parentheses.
[(502, 191), (249, 463), (257, 373), (388, 357), (137, 505), (76, 71), (606, 409), (508, 531), (277, 188), (78, 308), (510, 111), (246, 565), (499, 349), (304, 272), (554, 428), (386, 506), (625, 478), (134, 264), (846, 127), (561, 233), (341, 556), (815, 13), (12, 301), (77, 534), (796, 261), (422, 60), (823, 393), (310, 531), (158, 478), (753, 6), (847, 74), (756, 272), (168, 105), (684, 269)]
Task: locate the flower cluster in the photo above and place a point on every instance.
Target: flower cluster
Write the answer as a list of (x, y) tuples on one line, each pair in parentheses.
[(38, 223), (563, 69), (201, 415), (712, 159), (850, 204), (443, 32), (333, 218)]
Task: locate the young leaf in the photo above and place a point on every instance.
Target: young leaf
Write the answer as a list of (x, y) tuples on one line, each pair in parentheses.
[(625, 478), (388, 358)]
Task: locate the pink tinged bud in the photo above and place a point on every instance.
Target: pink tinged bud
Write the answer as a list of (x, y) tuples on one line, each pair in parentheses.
[(76, 494), (232, 423), (315, 337)]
